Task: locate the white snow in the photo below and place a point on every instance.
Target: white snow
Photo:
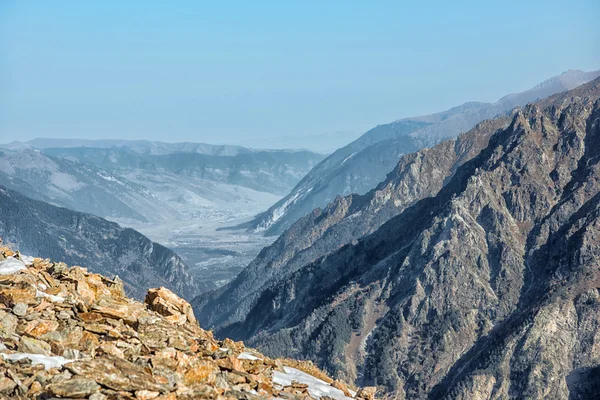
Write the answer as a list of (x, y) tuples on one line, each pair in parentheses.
[(28, 260), (347, 158), (47, 361), (247, 356), (11, 265), (51, 297), (279, 212), (316, 387)]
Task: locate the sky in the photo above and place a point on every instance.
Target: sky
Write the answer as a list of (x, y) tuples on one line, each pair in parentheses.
[(235, 71)]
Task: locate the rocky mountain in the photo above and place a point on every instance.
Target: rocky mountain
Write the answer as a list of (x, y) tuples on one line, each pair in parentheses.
[(360, 166), (69, 333), (485, 283), (417, 175), (43, 230)]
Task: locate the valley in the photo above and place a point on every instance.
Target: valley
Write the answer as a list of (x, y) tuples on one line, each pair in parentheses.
[(214, 255)]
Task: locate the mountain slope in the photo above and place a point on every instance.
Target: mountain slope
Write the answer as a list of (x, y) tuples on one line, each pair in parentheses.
[(487, 289), (43, 230), (361, 165), (323, 231), (77, 186)]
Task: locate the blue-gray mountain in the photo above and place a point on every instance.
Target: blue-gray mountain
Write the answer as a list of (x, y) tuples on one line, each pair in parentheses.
[(360, 166), (481, 281), (75, 185), (137, 146), (43, 230), (272, 171)]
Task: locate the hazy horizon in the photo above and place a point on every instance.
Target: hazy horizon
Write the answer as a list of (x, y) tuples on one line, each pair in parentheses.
[(237, 73)]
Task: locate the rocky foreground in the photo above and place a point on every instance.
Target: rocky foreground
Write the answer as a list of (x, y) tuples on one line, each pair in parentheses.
[(69, 333)]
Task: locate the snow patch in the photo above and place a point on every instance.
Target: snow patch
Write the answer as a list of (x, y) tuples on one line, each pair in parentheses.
[(47, 361), (279, 212), (28, 260), (51, 297), (347, 158), (11, 265), (316, 387), (247, 356)]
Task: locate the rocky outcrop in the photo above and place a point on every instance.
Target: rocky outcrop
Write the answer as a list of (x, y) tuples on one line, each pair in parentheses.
[(69, 333), (487, 289)]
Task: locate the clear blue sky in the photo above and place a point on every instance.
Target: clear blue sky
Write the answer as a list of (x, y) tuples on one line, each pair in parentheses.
[(219, 72)]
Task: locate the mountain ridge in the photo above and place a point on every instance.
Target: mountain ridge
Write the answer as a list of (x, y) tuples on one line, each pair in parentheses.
[(401, 137)]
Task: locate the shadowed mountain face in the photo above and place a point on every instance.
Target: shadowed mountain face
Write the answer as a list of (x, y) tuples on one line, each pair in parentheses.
[(360, 166), (482, 283), (42, 230)]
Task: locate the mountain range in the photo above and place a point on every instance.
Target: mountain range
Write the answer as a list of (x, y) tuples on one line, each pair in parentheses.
[(470, 272), (176, 194), (361, 165)]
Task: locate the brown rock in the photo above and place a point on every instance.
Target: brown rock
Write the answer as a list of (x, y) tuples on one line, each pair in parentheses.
[(34, 346), (40, 327), (128, 313), (90, 317), (167, 303), (7, 385), (35, 389), (202, 372), (76, 387), (8, 324), (21, 292), (231, 363), (115, 373), (341, 386), (366, 393)]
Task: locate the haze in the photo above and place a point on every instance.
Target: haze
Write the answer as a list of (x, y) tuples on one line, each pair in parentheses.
[(247, 73)]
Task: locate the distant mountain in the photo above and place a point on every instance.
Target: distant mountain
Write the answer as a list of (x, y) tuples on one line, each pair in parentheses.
[(325, 143), (78, 186), (42, 230), (480, 281), (273, 171), (178, 208), (361, 165), (137, 146)]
